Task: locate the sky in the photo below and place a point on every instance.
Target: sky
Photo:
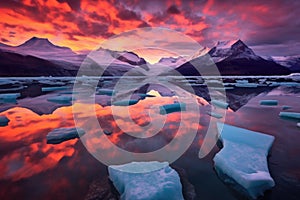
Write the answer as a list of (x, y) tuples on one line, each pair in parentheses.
[(269, 27)]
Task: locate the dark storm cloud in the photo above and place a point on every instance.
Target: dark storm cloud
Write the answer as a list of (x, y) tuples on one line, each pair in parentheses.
[(173, 10), (126, 14), (4, 40), (74, 4)]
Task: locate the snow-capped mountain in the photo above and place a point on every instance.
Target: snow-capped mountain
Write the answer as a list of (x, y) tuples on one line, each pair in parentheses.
[(172, 62), (292, 62), (232, 49), (40, 52), (233, 58)]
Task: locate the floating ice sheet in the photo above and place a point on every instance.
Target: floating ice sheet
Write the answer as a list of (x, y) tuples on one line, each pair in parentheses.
[(220, 104), (293, 115), (4, 121), (243, 159), (63, 134), (51, 89), (269, 102), (146, 181), (61, 99), (9, 97), (216, 115), (125, 102), (169, 108)]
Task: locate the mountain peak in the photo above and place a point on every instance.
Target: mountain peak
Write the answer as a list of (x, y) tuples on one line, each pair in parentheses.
[(233, 48)]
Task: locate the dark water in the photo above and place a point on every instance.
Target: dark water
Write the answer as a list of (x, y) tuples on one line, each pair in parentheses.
[(32, 169)]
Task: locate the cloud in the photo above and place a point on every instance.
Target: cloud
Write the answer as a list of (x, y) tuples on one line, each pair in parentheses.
[(126, 14), (74, 4), (173, 10)]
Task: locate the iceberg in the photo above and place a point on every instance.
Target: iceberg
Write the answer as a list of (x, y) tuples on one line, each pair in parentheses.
[(169, 108), (4, 121), (146, 181), (242, 161), (125, 102), (9, 97), (60, 135), (269, 102), (220, 104), (292, 115), (61, 99)]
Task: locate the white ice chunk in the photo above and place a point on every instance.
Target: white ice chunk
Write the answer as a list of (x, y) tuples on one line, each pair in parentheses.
[(216, 115), (269, 102), (61, 99), (9, 97), (293, 115), (51, 89), (146, 181), (220, 104), (243, 159), (298, 124), (4, 121), (60, 135)]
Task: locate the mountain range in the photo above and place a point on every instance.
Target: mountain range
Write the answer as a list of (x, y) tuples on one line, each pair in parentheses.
[(40, 57)]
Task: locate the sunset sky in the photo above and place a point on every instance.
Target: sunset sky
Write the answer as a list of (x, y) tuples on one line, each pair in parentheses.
[(269, 27)]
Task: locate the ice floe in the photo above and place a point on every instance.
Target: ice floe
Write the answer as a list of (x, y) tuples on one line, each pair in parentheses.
[(169, 108), (9, 97), (4, 121), (146, 181), (61, 99), (51, 89), (63, 134), (216, 115), (108, 92), (220, 104), (242, 162), (269, 102), (292, 115), (286, 107), (125, 102)]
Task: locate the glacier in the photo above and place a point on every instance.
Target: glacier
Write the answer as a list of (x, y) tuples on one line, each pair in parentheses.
[(146, 181), (242, 162)]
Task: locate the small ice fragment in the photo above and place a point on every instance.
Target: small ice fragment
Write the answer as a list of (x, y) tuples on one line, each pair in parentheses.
[(298, 124), (169, 108), (216, 115), (146, 181), (293, 115), (242, 161), (107, 132), (269, 102), (220, 104), (4, 121), (9, 97), (61, 99), (60, 135), (285, 107), (125, 102), (51, 89), (107, 92)]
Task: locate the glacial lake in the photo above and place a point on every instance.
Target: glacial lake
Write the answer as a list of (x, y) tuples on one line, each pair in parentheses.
[(32, 169)]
